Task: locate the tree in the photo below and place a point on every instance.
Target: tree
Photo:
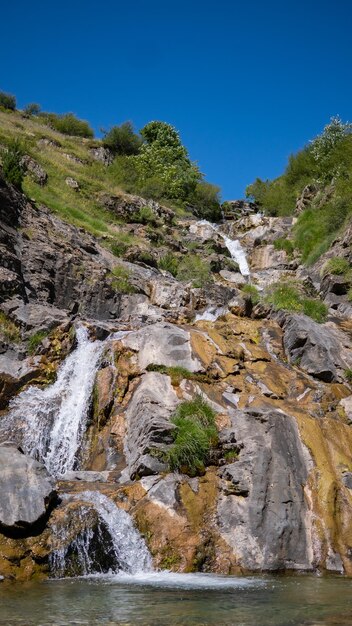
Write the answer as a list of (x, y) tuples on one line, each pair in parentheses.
[(7, 101), (32, 109), (163, 157), (122, 140)]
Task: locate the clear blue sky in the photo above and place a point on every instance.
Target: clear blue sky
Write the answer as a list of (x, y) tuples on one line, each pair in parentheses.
[(245, 82)]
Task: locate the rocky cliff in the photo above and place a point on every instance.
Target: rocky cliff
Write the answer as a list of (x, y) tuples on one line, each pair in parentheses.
[(274, 492)]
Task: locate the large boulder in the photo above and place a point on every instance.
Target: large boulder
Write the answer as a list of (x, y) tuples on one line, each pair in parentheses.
[(148, 424), (316, 348), (27, 493), (162, 344), (262, 511)]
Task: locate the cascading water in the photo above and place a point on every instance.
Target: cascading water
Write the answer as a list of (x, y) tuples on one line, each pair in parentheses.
[(125, 548), (54, 419), (234, 247)]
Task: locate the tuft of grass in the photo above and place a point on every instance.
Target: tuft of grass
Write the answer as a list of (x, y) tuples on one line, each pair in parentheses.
[(348, 375), (35, 340), (231, 455), (289, 297), (252, 292), (176, 373), (337, 266), (284, 244), (170, 263), (146, 216), (8, 329), (193, 269), (349, 295), (195, 434), (121, 280)]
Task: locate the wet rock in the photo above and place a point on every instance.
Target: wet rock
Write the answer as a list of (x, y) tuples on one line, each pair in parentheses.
[(86, 476), (162, 344), (36, 171), (148, 426), (262, 513), (14, 373), (27, 493)]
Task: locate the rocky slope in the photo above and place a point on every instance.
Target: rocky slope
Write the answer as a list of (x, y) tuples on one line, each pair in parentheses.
[(275, 492)]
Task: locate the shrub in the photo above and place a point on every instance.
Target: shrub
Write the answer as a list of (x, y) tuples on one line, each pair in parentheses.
[(121, 280), (35, 340), (337, 266), (195, 434), (170, 263), (32, 109), (69, 124), (7, 101), (205, 202), (145, 215), (11, 164), (8, 329), (122, 139), (193, 269), (252, 292)]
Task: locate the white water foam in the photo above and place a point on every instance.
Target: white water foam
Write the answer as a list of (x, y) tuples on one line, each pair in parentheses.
[(211, 314), (175, 580), (54, 419), (234, 247), (129, 551)]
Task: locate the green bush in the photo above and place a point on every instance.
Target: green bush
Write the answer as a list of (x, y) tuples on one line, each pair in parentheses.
[(32, 109), (122, 140), (7, 101), (205, 202), (69, 124), (12, 167), (145, 215), (195, 434), (193, 269), (337, 266), (170, 263)]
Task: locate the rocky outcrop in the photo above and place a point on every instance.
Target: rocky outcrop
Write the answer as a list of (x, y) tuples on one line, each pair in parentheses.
[(128, 207), (261, 510), (35, 170), (27, 494), (148, 425), (314, 347)]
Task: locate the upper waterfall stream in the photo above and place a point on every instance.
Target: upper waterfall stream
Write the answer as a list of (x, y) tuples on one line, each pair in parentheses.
[(234, 247), (54, 419)]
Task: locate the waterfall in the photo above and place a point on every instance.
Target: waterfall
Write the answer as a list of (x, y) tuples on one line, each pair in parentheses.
[(234, 247), (122, 549), (54, 419)]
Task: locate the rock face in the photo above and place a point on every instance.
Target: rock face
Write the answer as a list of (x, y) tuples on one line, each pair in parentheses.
[(148, 425), (27, 493), (35, 170), (262, 512)]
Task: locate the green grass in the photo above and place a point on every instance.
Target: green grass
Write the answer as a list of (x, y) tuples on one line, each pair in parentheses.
[(170, 263), (231, 455), (8, 329), (35, 340), (284, 244), (176, 373), (290, 297), (193, 269), (121, 280), (251, 292), (348, 375), (195, 434), (336, 266)]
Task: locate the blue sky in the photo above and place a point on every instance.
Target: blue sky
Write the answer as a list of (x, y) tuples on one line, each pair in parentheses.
[(245, 82)]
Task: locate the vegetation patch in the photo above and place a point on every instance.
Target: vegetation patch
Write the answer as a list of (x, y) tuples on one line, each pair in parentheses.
[(68, 124), (12, 167), (8, 329), (121, 280), (170, 263), (251, 292), (193, 269), (35, 340), (7, 101), (289, 296), (284, 244), (195, 434), (348, 375), (337, 266)]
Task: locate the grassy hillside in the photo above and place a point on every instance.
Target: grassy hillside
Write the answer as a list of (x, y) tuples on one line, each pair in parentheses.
[(325, 164)]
